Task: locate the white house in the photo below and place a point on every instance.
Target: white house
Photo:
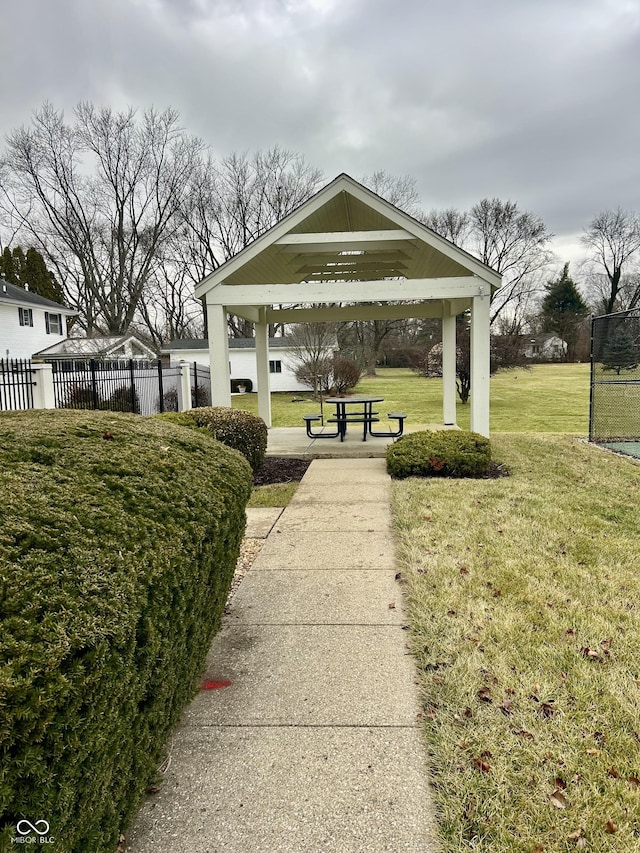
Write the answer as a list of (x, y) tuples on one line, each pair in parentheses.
[(547, 347), (29, 322), (242, 360), (103, 347)]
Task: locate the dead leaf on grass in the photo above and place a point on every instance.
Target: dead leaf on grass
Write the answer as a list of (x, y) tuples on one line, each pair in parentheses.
[(591, 654), (526, 735), (481, 765), (610, 827), (558, 799), (484, 694)]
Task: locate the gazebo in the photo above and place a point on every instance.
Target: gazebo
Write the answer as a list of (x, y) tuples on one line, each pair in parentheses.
[(347, 254)]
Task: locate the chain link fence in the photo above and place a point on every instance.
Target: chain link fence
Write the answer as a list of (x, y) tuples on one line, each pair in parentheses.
[(614, 412)]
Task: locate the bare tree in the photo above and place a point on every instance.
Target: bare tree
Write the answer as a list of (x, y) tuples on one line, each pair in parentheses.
[(401, 192), (513, 243), (362, 340), (233, 202), (612, 241), (100, 198), (170, 309), (450, 224), (313, 354)]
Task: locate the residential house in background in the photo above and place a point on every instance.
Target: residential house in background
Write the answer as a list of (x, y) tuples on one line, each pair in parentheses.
[(242, 360), (29, 322), (103, 347), (548, 347)]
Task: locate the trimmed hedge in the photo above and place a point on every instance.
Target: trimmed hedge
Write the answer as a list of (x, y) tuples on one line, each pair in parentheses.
[(118, 545), (442, 453), (234, 427)]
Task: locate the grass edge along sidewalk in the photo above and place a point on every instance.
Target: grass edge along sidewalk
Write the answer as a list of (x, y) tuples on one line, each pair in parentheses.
[(523, 599)]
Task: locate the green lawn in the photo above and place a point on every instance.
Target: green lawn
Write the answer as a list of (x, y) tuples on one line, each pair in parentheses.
[(523, 603), (524, 606), (545, 398)]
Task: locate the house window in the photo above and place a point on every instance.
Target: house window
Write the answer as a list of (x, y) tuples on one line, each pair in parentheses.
[(26, 316), (275, 367), (53, 323)]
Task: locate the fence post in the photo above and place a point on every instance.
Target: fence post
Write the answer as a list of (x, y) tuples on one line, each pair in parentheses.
[(132, 380), (160, 387), (184, 400), (43, 394), (196, 397), (94, 383)]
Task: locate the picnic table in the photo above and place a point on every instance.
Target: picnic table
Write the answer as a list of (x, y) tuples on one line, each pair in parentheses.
[(354, 410)]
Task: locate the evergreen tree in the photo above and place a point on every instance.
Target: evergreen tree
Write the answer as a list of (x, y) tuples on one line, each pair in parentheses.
[(620, 352), (563, 310), (8, 268), (30, 271)]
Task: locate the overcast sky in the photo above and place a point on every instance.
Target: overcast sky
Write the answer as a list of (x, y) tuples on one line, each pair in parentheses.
[(537, 101)]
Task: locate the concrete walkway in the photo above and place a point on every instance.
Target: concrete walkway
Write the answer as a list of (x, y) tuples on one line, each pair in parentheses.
[(314, 745), (294, 441)]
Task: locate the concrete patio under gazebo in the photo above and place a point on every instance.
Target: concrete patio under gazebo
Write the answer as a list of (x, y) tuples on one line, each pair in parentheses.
[(346, 254)]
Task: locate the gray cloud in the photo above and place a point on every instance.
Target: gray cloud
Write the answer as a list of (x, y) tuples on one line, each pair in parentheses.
[(530, 101)]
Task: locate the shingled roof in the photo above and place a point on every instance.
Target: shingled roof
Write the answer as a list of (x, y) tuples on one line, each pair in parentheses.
[(15, 295)]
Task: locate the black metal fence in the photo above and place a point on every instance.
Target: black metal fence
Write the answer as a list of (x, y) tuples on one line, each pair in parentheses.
[(200, 385), (614, 413), (16, 384), (143, 387)]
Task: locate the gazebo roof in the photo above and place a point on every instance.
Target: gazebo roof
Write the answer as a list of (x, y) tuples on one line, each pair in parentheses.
[(348, 255), (347, 233)]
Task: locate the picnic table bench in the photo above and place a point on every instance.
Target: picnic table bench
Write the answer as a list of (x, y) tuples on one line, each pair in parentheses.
[(364, 414)]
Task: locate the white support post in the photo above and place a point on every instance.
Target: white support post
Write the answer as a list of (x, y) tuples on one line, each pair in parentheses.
[(184, 391), (449, 371), (43, 396), (262, 367), (219, 355), (480, 364)]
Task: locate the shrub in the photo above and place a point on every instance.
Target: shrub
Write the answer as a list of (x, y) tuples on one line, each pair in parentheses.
[(316, 373), (78, 395), (169, 401), (119, 541), (234, 427), (346, 374), (442, 453), (121, 400)]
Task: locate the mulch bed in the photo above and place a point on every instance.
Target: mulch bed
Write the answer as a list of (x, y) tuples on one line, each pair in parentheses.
[(286, 469), (280, 469)]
